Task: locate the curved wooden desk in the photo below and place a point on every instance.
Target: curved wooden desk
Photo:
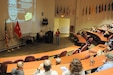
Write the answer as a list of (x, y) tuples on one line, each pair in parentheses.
[(38, 55), (100, 35), (65, 60), (30, 67), (80, 38), (83, 54)]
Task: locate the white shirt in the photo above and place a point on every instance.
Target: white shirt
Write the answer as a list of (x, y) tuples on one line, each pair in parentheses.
[(17, 72), (51, 72), (108, 64)]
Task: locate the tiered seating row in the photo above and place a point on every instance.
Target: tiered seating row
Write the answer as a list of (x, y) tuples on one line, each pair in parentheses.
[(86, 63), (29, 69)]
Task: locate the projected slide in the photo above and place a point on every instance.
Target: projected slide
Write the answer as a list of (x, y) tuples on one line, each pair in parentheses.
[(28, 16), (21, 10)]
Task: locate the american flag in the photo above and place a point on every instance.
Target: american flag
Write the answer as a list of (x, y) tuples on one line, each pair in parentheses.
[(6, 36)]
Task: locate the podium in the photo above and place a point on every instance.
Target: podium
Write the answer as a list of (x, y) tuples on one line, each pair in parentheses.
[(49, 37)]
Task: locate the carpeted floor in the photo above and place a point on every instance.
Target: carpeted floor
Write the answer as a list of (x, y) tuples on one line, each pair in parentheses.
[(37, 47)]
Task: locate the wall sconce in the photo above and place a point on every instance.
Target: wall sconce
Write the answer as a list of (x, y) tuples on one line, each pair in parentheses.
[(42, 13), (62, 15)]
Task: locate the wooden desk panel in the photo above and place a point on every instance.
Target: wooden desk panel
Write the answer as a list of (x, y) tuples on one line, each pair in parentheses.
[(98, 62), (50, 53), (80, 38), (100, 35)]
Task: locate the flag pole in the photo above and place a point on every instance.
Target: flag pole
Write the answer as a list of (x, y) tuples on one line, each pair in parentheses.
[(11, 34), (6, 38)]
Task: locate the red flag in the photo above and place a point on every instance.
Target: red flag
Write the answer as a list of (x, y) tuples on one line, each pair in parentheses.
[(17, 30), (6, 36)]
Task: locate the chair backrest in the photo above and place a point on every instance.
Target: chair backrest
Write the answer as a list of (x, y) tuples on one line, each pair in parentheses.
[(44, 57), (18, 60), (90, 40), (0, 69), (64, 53), (29, 58), (110, 37), (75, 51), (85, 35), (84, 47), (4, 66), (0, 72)]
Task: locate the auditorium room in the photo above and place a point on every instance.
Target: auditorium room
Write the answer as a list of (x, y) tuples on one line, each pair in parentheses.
[(56, 37)]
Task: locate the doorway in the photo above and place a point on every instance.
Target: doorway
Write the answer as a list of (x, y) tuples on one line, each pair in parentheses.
[(63, 24)]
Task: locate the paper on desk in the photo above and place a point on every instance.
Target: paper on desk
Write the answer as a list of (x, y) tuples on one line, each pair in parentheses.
[(63, 68)]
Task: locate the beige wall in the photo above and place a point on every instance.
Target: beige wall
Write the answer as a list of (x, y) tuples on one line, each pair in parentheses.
[(85, 21), (94, 19), (70, 8), (47, 7), (4, 15)]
